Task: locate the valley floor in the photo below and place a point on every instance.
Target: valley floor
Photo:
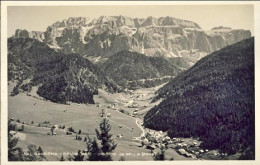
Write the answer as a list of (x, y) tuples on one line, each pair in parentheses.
[(33, 110), (39, 115)]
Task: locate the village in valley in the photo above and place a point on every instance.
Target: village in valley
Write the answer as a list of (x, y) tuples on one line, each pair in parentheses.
[(45, 123)]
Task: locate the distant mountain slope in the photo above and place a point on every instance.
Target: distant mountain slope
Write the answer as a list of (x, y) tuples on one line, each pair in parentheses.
[(61, 77), (131, 67), (166, 37), (213, 100)]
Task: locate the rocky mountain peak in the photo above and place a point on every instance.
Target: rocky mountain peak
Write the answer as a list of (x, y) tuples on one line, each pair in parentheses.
[(105, 36), (72, 21), (170, 21), (103, 20), (22, 33), (115, 21), (221, 27), (150, 21)]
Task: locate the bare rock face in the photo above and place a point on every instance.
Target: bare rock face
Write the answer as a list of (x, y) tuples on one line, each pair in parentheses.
[(22, 33), (71, 41), (115, 21), (167, 37), (150, 21), (26, 34), (38, 35), (170, 21), (138, 22)]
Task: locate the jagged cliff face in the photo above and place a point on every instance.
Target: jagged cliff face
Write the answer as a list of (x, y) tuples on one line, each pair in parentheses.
[(166, 36)]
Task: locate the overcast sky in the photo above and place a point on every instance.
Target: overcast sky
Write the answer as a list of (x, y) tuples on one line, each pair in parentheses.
[(207, 16)]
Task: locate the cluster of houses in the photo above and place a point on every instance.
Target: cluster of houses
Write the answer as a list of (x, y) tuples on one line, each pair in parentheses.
[(186, 147), (114, 106)]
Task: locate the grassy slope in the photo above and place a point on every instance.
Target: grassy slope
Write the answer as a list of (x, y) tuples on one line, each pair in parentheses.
[(82, 117)]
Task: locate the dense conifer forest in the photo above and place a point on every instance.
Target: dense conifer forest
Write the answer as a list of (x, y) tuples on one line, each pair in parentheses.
[(135, 70), (60, 77), (213, 100)]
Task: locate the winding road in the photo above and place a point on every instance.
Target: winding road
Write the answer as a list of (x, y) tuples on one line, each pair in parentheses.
[(136, 122)]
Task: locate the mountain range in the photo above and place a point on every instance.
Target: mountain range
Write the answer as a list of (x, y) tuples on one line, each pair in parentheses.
[(105, 36)]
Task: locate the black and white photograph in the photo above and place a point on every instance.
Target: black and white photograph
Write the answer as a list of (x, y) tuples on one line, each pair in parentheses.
[(137, 82)]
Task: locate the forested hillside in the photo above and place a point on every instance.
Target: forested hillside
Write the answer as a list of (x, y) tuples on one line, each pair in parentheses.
[(61, 77), (133, 70), (213, 100)]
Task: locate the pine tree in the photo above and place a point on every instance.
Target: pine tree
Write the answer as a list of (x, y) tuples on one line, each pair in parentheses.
[(93, 150), (14, 153), (40, 151), (107, 142)]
